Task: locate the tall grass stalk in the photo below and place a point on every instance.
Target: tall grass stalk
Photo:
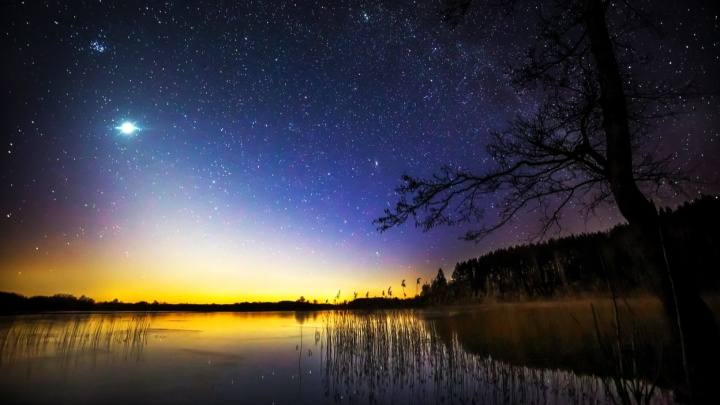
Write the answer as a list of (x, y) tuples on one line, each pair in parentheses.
[(72, 336), (396, 357)]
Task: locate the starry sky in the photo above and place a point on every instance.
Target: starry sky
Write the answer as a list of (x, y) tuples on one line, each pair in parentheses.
[(263, 137)]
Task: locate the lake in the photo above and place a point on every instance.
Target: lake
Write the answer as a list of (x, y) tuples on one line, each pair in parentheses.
[(504, 354)]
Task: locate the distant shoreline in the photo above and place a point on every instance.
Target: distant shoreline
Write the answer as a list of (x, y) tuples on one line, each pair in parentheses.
[(15, 304)]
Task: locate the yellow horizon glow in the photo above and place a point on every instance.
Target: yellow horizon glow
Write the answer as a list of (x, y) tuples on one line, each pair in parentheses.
[(135, 281), (175, 259), (196, 297)]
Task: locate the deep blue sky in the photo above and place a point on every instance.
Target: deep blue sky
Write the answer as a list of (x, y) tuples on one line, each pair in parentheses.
[(271, 134)]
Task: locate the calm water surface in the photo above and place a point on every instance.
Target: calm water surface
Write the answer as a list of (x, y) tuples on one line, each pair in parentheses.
[(279, 358)]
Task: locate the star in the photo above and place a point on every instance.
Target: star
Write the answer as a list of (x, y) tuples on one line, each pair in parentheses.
[(292, 139), (127, 128)]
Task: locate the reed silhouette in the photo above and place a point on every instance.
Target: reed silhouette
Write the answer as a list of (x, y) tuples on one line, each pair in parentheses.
[(75, 337), (393, 356)]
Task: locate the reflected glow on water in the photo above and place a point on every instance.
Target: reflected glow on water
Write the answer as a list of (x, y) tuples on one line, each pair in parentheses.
[(71, 338), (273, 357), (179, 358)]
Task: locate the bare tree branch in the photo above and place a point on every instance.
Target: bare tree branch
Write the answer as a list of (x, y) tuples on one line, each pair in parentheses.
[(558, 156)]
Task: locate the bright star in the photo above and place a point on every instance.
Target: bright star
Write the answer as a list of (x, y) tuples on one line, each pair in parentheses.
[(127, 128)]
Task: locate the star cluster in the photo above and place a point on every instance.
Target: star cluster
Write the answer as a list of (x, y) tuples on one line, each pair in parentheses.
[(229, 151)]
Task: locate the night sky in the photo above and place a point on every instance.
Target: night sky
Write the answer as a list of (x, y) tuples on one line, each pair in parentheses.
[(265, 136)]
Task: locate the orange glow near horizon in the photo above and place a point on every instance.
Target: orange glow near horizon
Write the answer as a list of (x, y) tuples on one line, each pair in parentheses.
[(177, 294), (106, 274), (175, 260)]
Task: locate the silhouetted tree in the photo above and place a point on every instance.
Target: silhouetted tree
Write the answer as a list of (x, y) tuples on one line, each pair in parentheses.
[(440, 281), (583, 147), (425, 290), (439, 287)]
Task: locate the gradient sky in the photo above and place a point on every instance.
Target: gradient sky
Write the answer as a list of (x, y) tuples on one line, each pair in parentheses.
[(269, 136)]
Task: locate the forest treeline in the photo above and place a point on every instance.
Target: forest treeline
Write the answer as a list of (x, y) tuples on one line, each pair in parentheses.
[(589, 263), (12, 303)]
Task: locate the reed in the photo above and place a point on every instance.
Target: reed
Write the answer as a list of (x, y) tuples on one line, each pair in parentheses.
[(72, 336), (397, 357)]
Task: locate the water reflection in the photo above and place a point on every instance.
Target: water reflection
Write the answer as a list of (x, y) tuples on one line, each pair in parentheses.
[(398, 357), (74, 337), (395, 357), (179, 358), (565, 335), (306, 316)]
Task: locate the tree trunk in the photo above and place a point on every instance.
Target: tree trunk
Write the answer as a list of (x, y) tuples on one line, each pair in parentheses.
[(697, 334)]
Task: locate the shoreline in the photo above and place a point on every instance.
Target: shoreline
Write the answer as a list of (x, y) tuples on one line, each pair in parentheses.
[(29, 307)]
